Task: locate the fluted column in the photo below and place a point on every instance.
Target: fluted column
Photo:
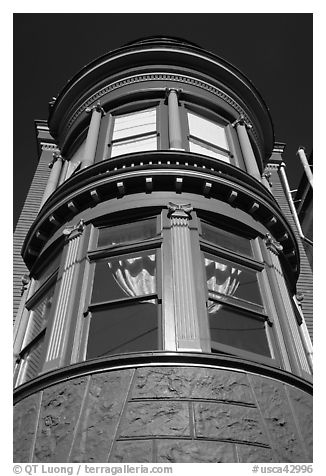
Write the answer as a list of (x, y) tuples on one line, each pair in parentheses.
[(58, 339), (55, 166), (288, 317), (92, 135), (175, 134), (249, 158), (185, 302)]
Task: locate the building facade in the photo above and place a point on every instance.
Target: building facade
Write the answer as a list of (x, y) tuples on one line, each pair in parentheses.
[(156, 293)]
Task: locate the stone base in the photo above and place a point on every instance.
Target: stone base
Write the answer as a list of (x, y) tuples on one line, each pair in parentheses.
[(165, 414)]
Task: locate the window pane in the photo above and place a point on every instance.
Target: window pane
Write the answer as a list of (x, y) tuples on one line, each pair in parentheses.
[(124, 276), (226, 239), (129, 328), (134, 123), (205, 150), (230, 279), (127, 233), (39, 315), (31, 361), (207, 130), (237, 329), (134, 145)]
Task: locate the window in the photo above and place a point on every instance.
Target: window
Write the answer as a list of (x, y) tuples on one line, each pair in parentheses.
[(235, 306), (30, 361), (134, 131), (124, 302), (207, 137)]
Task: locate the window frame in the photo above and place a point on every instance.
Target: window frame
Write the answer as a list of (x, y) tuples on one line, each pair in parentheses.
[(21, 363), (253, 264), (96, 254), (138, 106), (187, 106)]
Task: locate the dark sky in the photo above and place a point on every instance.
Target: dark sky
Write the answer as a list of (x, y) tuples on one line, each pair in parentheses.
[(273, 50)]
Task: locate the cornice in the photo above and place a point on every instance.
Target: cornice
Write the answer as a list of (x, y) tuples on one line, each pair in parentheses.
[(158, 359), (167, 171), (161, 76)]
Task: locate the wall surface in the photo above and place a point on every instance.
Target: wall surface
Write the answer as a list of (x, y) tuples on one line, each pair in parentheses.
[(165, 414)]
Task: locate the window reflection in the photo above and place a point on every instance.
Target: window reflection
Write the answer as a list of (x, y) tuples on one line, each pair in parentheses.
[(124, 276), (237, 329), (133, 132), (127, 233)]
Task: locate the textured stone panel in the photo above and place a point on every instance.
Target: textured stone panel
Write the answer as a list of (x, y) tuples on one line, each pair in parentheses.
[(194, 451), (24, 427), (101, 413), (302, 406), (60, 408), (254, 454), (156, 418), (228, 422), (192, 382), (277, 414), (223, 385), (132, 452)]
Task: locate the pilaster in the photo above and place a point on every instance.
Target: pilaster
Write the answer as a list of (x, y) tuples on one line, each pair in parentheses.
[(62, 315), (185, 302)]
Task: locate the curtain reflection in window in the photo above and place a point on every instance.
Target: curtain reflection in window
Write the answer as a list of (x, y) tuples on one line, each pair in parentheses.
[(135, 276), (222, 279)]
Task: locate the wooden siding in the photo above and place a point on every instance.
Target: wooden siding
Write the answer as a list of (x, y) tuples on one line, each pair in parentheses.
[(27, 216)]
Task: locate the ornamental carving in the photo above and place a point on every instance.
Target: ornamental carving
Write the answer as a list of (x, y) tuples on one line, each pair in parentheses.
[(74, 231), (272, 244), (159, 77), (179, 210)]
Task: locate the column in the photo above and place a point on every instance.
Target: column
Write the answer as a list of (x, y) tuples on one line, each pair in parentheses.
[(175, 135), (92, 135), (306, 166), (56, 166), (63, 172), (249, 158), (289, 321), (184, 289), (58, 340)]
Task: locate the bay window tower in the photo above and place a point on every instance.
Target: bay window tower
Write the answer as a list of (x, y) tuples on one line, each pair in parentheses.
[(158, 319)]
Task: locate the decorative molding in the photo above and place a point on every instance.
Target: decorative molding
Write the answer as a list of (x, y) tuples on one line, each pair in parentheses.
[(48, 146), (75, 230), (179, 210), (272, 244), (207, 188), (159, 76), (254, 207)]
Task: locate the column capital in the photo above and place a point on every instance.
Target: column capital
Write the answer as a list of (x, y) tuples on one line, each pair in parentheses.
[(55, 156), (74, 231), (267, 176), (179, 210), (97, 108), (25, 280), (169, 90), (272, 244), (242, 122)]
